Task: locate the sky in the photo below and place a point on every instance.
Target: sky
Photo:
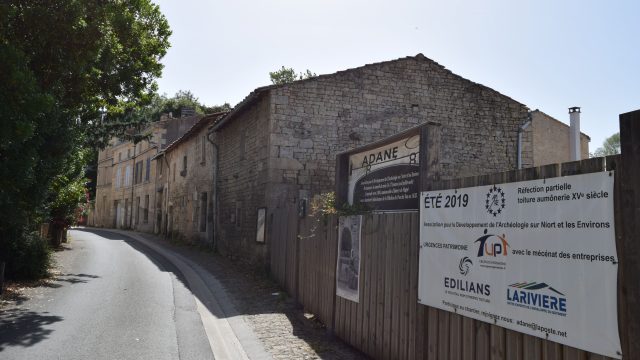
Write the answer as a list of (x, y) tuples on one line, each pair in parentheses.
[(548, 55)]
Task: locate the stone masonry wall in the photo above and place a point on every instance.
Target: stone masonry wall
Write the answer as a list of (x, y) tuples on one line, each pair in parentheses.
[(242, 182), (313, 120), (551, 140), (190, 192)]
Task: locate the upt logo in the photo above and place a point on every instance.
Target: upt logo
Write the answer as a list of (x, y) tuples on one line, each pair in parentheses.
[(492, 245)]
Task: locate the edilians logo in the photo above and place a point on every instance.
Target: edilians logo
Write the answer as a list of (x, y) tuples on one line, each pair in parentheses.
[(465, 265), (492, 250), (467, 289), (537, 296)]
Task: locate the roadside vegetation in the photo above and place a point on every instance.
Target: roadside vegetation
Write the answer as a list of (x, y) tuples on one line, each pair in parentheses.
[(73, 74)]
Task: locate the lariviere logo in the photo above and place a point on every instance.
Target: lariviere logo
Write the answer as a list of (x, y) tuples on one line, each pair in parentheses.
[(537, 296)]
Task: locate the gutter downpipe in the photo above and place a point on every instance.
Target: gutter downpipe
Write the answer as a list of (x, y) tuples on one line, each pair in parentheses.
[(521, 129), (214, 192)]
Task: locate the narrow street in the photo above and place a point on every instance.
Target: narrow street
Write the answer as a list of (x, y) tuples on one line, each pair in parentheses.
[(127, 295), (114, 299)]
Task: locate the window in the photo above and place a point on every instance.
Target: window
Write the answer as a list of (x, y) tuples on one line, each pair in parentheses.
[(119, 156), (137, 209), (197, 146), (127, 176), (145, 217), (148, 170), (184, 166), (159, 162), (138, 173), (118, 175), (204, 150), (174, 172), (203, 212)]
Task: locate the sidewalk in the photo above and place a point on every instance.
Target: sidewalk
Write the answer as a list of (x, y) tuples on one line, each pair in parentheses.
[(276, 320)]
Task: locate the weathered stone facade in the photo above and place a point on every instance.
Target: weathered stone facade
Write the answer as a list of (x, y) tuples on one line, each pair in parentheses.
[(125, 189), (291, 134), (279, 146), (550, 140), (184, 185)]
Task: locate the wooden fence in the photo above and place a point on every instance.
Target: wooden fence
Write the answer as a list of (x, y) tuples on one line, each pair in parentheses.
[(388, 322)]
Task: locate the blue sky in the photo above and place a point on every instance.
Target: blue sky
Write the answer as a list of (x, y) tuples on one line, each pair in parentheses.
[(548, 55)]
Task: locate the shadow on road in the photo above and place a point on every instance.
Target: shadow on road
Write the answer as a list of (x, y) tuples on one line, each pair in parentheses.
[(24, 328), (252, 293)]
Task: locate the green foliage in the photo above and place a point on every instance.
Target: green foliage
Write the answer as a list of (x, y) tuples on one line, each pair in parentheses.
[(610, 146), (162, 104), (287, 75), (67, 190), (30, 260), (61, 64), (325, 204)]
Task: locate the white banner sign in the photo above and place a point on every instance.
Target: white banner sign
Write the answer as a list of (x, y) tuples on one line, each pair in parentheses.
[(538, 257)]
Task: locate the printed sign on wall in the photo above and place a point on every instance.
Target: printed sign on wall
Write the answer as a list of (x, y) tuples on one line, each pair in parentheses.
[(386, 177), (538, 257), (348, 264)]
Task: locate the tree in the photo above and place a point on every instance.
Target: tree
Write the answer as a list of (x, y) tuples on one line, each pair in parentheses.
[(62, 64), (610, 146), (162, 104), (287, 75)]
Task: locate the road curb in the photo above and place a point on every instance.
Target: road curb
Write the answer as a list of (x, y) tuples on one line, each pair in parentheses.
[(229, 334)]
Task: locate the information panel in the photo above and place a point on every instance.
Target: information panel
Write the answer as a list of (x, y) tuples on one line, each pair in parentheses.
[(387, 177), (538, 257)]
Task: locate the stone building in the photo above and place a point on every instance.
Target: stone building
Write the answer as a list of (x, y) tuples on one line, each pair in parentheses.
[(546, 141), (125, 189), (184, 180), (279, 144)]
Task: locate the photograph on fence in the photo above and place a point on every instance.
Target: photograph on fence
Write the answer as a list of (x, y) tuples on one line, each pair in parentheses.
[(538, 257), (261, 224), (348, 264)]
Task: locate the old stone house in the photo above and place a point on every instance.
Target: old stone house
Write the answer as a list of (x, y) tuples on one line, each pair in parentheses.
[(546, 141), (184, 179), (279, 144), (125, 189)]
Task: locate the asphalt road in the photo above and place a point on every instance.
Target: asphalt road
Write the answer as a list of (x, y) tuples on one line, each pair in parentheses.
[(115, 299)]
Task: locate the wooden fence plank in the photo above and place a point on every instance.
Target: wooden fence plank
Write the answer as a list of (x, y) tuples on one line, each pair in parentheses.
[(413, 290), (629, 176), (432, 333), (388, 231), (365, 273), (498, 346), (405, 284), (455, 337), (395, 286), (513, 345), (551, 350), (468, 338), (443, 334), (531, 348), (483, 338), (380, 330)]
